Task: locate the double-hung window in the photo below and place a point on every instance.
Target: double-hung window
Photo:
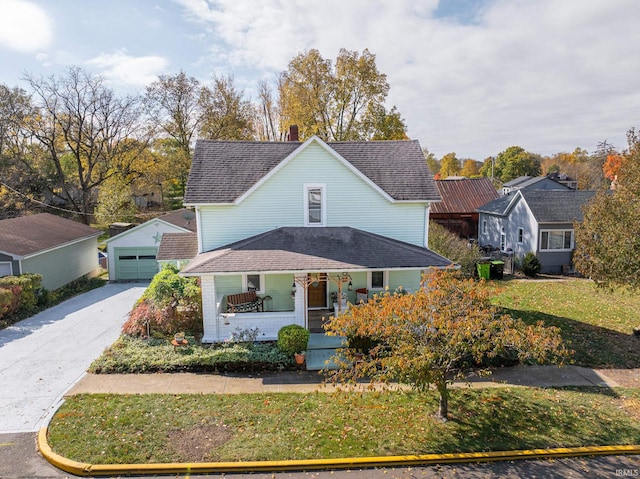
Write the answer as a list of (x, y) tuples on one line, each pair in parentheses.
[(315, 205), (253, 282), (378, 279), (556, 240)]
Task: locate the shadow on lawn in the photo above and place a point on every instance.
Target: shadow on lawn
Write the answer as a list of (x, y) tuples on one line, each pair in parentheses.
[(516, 421), (594, 346)]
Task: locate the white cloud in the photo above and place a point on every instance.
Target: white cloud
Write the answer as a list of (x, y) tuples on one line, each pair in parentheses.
[(120, 67), (542, 74), (24, 26)]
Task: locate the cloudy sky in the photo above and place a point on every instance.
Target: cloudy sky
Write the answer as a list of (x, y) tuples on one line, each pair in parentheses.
[(469, 76)]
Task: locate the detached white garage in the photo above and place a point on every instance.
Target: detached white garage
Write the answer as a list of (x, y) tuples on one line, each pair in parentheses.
[(132, 254)]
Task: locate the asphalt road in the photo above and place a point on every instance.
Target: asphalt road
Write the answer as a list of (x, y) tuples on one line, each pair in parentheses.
[(19, 459)]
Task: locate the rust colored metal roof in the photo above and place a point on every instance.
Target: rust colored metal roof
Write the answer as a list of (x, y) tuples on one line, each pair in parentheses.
[(463, 195)]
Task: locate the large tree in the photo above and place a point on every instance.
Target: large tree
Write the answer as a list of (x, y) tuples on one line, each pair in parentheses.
[(174, 103), (432, 162), (338, 104), (449, 165), (470, 168), (227, 115), (268, 115), (441, 331), (608, 239), (513, 162), (19, 157), (88, 134)]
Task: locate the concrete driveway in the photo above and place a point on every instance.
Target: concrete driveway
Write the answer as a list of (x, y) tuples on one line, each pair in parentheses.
[(44, 356)]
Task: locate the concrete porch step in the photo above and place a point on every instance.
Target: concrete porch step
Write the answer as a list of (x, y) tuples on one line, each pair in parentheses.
[(317, 359), (322, 341), (320, 349)]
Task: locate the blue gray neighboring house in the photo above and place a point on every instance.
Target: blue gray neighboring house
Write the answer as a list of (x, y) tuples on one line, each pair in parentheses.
[(538, 221)]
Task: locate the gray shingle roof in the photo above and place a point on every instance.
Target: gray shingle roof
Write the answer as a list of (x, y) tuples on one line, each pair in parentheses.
[(517, 181), (557, 206), (32, 234), (314, 249), (175, 246), (184, 218), (547, 206), (221, 171), (498, 206), (542, 183)]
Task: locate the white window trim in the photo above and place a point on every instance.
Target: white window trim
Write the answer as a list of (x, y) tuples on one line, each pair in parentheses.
[(503, 240), (484, 227), (10, 267), (558, 250), (245, 285), (520, 235), (323, 189), (385, 280)]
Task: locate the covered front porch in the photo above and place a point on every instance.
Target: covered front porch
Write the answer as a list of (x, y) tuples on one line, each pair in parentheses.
[(308, 299), (301, 276)]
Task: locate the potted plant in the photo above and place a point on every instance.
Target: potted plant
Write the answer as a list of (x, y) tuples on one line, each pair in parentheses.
[(179, 337), (299, 357), (292, 340)]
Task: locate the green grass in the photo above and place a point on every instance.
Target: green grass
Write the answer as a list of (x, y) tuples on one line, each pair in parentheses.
[(597, 324), (164, 428)]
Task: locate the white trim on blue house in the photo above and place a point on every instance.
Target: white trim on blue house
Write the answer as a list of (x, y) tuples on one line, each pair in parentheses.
[(323, 203)]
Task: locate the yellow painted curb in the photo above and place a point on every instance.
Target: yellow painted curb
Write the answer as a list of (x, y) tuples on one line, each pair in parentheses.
[(85, 469)]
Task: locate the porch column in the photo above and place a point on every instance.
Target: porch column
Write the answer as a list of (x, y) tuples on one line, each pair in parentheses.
[(299, 306), (209, 309)]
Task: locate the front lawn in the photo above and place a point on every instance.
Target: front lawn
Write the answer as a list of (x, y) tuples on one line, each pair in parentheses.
[(166, 428), (596, 324)]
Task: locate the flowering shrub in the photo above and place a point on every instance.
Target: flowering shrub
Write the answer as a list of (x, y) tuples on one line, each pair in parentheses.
[(170, 304)]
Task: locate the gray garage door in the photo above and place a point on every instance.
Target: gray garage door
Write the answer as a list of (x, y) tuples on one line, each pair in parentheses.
[(135, 263)]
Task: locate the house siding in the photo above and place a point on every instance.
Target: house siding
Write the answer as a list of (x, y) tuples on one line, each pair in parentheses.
[(409, 280), (15, 265), (521, 217), (552, 261), (279, 201), (63, 265)]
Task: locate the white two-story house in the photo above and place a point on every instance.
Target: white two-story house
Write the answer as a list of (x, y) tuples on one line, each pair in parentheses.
[(306, 226)]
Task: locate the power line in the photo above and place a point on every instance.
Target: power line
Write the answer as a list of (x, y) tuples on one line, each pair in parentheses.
[(67, 210)]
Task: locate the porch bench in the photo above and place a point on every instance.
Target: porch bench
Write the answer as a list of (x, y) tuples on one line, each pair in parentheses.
[(243, 302)]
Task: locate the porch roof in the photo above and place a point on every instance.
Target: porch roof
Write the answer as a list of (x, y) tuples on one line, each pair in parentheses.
[(293, 249)]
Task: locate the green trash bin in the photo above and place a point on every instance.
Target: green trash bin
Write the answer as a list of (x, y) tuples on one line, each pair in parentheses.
[(484, 270), (496, 270)]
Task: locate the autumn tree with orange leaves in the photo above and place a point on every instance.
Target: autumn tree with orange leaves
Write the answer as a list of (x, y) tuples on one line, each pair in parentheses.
[(441, 332), (612, 166)]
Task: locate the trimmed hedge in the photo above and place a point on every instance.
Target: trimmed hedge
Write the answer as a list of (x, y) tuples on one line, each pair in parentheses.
[(22, 296), (133, 355), (19, 293)]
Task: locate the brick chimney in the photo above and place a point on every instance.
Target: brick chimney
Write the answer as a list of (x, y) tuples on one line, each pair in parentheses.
[(293, 133)]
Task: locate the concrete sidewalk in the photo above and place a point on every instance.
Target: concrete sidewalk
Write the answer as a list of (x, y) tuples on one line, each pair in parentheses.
[(308, 381)]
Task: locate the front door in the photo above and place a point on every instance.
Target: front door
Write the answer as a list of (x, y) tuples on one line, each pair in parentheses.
[(317, 294)]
